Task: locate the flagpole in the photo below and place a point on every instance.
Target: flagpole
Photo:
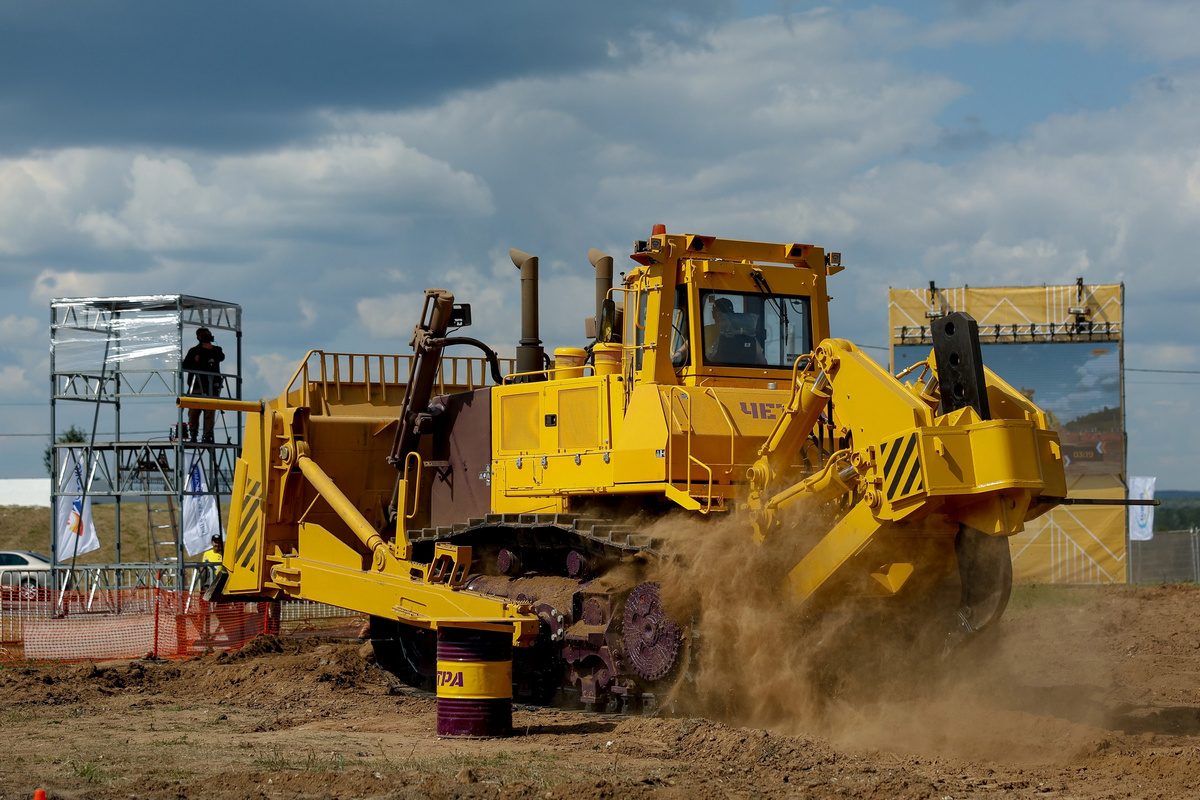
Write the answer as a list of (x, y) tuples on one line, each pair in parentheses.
[(91, 447), (88, 453), (58, 480), (215, 490)]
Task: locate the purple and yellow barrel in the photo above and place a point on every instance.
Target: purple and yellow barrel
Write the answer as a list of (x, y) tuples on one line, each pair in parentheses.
[(474, 683)]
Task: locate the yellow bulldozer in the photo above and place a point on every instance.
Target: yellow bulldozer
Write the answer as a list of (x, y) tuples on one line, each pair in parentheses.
[(438, 492)]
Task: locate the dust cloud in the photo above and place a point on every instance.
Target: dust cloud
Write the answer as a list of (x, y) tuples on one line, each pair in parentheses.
[(861, 676), (754, 659)]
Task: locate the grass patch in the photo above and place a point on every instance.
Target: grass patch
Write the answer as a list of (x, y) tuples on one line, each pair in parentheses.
[(88, 771), (279, 761), (22, 715), (172, 742), (1029, 596)]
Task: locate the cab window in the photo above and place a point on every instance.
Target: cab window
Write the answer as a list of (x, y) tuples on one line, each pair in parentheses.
[(639, 324), (681, 354), (743, 329)]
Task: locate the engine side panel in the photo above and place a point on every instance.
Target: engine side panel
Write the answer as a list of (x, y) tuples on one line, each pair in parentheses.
[(461, 455)]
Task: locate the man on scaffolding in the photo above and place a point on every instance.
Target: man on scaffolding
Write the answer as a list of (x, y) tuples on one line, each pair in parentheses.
[(202, 365)]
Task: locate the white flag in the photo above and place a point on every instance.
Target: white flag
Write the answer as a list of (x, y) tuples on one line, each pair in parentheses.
[(201, 515), (74, 533), (1141, 518)]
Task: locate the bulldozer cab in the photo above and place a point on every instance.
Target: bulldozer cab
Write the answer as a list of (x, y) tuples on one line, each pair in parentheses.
[(712, 311)]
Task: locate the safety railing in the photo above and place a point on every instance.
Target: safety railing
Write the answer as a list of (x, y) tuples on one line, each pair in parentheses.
[(1018, 332), (1170, 557), (380, 373), (25, 579), (684, 396), (100, 588), (728, 421), (42, 625), (412, 464), (550, 373)]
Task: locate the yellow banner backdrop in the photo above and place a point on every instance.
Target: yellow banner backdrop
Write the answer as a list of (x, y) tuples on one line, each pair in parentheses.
[(1061, 346)]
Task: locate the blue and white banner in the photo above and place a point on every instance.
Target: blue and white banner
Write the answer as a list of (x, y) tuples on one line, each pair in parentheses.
[(1141, 518), (74, 533), (201, 515)]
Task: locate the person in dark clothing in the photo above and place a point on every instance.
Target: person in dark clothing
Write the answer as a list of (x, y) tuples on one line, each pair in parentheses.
[(735, 342), (202, 366)]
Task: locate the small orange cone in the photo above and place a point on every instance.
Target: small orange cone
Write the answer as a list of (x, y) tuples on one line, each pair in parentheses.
[(39, 794)]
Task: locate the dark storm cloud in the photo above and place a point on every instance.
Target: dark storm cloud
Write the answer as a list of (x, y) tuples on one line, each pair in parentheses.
[(230, 74)]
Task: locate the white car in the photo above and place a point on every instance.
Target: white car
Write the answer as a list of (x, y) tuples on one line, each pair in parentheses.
[(23, 569)]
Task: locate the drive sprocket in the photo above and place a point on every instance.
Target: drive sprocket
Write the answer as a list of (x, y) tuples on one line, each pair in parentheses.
[(650, 636)]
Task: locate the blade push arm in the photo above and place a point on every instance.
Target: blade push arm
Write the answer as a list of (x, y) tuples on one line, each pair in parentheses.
[(836, 369), (913, 476)]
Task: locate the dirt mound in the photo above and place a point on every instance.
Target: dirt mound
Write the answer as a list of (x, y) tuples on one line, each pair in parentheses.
[(268, 668)]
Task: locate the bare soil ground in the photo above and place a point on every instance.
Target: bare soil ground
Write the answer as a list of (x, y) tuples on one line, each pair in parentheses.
[(1084, 693)]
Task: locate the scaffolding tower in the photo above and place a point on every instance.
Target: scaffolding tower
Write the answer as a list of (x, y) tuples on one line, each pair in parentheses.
[(116, 366)]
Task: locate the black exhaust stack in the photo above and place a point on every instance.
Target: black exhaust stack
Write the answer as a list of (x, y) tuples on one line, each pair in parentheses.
[(530, 355), (604, 273)]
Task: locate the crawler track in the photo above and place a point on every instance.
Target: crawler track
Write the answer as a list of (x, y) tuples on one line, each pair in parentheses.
[(596, 650)]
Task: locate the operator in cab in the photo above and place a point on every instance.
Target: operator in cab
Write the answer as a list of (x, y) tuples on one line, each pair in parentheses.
[(732, 338)]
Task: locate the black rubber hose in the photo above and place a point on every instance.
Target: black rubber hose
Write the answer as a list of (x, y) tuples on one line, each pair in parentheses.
[(490, 354)]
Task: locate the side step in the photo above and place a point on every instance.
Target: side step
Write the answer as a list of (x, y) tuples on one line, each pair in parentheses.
[(602, 532)]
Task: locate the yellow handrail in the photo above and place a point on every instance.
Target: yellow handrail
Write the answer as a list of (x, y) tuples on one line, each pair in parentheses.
[(708, 500), (548, 372), (671, 392), (687, 430), (417, 490), (728, 421), (329, 369)]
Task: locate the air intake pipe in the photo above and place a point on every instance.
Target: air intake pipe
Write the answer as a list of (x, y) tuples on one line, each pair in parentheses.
[(530, 356), (604, 273)]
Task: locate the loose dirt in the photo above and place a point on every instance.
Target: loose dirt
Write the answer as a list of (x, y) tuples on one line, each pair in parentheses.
[(1083, 693)]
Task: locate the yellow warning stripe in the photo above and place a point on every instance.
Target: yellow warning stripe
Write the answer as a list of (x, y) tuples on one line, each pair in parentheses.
[(248, 529), (902, 466)]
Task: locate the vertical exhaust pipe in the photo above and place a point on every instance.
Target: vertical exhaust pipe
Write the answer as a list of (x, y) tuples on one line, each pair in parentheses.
[(604, 274), (530, 356)]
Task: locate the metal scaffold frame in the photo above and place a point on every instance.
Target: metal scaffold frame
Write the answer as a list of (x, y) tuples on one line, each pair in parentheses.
[(106, 352), (1070, 331)]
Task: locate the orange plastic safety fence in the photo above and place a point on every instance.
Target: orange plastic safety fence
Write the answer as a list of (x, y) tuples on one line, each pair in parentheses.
[(38, 625)]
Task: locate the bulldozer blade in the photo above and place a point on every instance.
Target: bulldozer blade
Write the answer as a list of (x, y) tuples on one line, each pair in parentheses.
[(985, 573)]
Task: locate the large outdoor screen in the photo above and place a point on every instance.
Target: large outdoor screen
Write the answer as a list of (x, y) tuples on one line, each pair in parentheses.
[(1077, 384)]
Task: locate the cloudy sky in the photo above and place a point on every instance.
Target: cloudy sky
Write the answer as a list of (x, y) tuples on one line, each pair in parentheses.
[(321, 163)]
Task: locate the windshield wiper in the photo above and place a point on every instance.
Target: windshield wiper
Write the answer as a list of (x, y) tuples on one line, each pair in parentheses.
[(760, 281)]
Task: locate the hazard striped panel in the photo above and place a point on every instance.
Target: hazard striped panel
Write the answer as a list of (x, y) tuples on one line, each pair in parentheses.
[(247, 545), (901, 467)]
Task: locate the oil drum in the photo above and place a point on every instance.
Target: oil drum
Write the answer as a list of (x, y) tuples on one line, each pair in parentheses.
[(474, 683)]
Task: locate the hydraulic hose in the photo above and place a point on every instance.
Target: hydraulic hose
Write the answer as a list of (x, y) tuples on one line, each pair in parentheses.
[(488, 353)]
